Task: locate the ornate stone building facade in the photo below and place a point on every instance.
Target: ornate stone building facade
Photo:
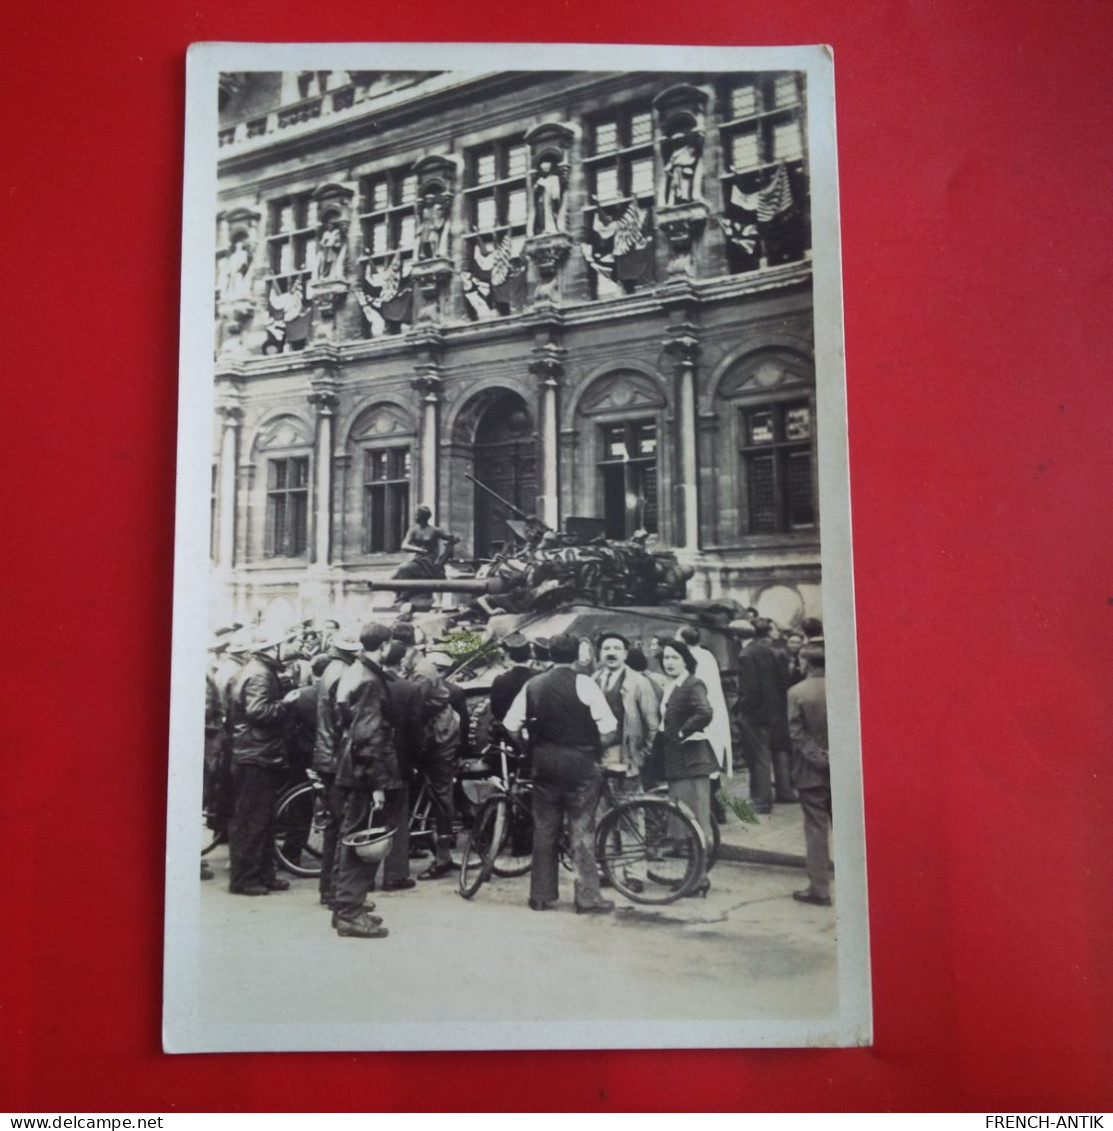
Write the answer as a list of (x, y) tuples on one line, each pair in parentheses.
[(589, 291)]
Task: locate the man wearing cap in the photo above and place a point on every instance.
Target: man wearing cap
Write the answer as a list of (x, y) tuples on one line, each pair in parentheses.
[(542, 660), (633, 702), (807, 724), (506, 685), (568, 723), (260, 714), (366, 770), (438, 747), (341, 654)]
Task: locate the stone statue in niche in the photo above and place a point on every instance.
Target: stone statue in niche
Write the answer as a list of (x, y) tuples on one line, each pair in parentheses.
[(550, 180), (331, 252), (234, 278), (432, 225), (683, 169)]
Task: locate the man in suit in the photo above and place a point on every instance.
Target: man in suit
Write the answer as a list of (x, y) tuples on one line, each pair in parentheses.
[(633, 702), (807, 724)]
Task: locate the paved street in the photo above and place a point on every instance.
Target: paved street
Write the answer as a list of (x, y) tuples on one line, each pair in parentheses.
[(746, 951)]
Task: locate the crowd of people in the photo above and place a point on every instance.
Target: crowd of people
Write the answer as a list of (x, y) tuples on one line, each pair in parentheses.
[(371, 715)]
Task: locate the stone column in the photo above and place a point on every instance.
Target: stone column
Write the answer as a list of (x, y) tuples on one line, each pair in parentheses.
[(324, 401), (232, 418), (684, 347), (428, 384), (548, 370)]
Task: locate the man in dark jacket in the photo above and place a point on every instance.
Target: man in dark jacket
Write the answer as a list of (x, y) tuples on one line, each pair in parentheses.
[(405, 704), (367, 770), (439, 746), (807, 724), (506, 685), (341, 653), (260, 715), (760, 699)]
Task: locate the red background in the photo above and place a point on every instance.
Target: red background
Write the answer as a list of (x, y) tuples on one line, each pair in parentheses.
[(975, 173)]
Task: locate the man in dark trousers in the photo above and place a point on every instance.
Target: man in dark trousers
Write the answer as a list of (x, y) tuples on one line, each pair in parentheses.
[(568, 723), (367, 770), (260, 760), (807, 724), (405, 704), (439, 747), (506, 685), (760, 698), (342, 651)]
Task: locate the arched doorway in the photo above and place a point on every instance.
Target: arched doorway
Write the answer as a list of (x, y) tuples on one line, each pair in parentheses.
[(505, 460)]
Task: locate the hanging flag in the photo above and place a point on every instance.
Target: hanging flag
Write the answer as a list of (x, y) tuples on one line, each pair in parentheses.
[(629, 236), (508, 275), (776, 197), (500, 263), (633, 249)]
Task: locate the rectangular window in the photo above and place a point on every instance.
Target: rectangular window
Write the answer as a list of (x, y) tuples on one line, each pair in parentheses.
[(743, 100), (386, 499), (777, 461), (287, 533), (764, 145), (622, 159), (628, 471), (291, 241), (386, 218), (788, 142), (745, 152), (497, 188)]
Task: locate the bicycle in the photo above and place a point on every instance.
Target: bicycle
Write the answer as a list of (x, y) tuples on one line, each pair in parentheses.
[(642, 832), (302, 814)]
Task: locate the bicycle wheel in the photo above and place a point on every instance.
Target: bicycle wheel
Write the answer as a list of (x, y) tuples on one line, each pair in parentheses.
[(481, 846), (515, 852), (299, 830), (650, 850)]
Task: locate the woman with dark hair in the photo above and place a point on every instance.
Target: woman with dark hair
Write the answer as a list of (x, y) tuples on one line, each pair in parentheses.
[(687, 757)]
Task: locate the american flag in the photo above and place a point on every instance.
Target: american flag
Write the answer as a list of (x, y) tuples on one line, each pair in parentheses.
[(500, 264), (629, 236), (776, 197), (392, 280)]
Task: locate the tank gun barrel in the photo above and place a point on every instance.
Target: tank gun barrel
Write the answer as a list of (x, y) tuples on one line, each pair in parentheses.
[(475, 585)]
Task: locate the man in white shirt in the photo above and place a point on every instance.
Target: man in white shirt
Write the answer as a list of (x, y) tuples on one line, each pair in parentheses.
[(565, 717)]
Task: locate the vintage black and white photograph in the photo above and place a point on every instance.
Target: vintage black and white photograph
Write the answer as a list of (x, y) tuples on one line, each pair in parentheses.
[(514, 694)]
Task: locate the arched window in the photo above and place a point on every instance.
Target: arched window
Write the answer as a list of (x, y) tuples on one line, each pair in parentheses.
[(382, 446), (622, 415), (770, 410), (284, 447)]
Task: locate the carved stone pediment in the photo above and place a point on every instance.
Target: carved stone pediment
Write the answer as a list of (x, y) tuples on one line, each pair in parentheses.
[(382, 421), (768, 370), (286, 432), (621, 392)]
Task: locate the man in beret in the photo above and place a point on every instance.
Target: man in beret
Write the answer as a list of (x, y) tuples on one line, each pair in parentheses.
[(260, 760), (807, 724), (341, 654), (366, 771)]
